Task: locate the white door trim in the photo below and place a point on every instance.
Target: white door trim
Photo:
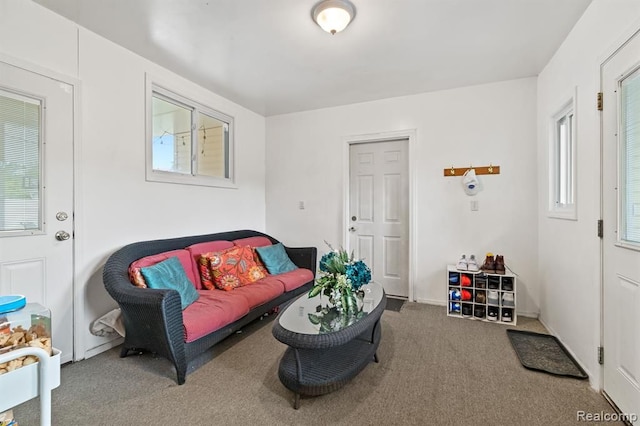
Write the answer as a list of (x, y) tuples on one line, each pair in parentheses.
[(78, 294), (409, 135)]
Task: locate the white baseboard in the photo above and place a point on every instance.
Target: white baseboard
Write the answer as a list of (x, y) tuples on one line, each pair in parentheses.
[(432, 302), (535, 315), (104, 347)]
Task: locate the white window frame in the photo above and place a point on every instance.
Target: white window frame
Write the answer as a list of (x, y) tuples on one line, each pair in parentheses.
[(557, 209), (186, 178)]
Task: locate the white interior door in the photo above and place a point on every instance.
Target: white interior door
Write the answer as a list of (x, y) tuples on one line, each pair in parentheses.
[(36, 195), (621, 216), (379, 211)]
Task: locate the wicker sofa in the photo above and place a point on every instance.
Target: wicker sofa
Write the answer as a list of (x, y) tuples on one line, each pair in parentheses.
[(154, 320)]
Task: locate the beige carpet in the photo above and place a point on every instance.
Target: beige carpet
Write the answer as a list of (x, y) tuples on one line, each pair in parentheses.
[(433, 370)]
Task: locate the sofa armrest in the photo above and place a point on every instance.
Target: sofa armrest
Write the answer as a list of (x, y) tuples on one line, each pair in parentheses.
[(152, 317), (146, 309), (303, 257)]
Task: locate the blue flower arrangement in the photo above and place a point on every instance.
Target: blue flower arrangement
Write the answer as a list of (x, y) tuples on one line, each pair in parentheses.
[(341, 278)]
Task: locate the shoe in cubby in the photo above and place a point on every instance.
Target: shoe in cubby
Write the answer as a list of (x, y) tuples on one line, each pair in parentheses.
[(493, 298), (508, 300), (454, 307), (493, 282), (507, 283), (454, 294), (467, 309), (481, 280), (481, 296), (454, 278), (492, 313), (507, 314), (479, 311)]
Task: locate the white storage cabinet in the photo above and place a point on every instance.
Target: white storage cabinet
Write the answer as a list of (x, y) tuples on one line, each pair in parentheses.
[(499, 308)]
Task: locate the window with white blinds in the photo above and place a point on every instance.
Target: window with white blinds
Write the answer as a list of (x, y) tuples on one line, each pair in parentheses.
[(20, 168), (630, 161)]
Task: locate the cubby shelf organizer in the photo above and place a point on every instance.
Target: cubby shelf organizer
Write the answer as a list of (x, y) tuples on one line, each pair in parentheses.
[(480, 285)]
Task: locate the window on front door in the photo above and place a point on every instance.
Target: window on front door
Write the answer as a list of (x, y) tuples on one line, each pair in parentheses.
[(630, 158), (20, 169)]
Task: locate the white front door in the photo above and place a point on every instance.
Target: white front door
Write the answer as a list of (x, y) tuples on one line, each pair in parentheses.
[(36, 195), (621, 216), (379, 211)]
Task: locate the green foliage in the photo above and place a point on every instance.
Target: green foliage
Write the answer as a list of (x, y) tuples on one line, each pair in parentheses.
[(341, 276), (331, 319)]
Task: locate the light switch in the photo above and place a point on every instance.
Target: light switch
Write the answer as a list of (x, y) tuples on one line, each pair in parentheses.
[(301, 205), (474, 205)]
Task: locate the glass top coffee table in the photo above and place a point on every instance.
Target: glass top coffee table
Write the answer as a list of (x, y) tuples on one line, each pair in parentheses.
[(327, 348)]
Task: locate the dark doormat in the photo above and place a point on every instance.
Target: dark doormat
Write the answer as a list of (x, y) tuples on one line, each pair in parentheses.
[(543, 352), (394, 304)]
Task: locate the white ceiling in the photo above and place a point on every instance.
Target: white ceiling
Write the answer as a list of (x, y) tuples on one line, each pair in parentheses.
[(269, 56)]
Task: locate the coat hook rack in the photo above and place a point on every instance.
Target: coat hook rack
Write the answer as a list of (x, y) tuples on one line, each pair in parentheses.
[(480, 170)]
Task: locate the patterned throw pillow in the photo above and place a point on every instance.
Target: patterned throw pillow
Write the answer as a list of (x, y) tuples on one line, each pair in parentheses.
[(205, 271), (136, 278), (234, 267)]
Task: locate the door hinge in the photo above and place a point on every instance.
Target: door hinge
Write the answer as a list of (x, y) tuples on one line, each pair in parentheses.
[(599, 101), (600, 228), (600, 355)]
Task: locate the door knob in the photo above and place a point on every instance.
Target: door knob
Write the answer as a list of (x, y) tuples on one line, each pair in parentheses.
[(62, 236), (352, 229)]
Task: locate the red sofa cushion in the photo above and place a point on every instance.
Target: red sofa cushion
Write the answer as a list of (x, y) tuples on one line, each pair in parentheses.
[(253, 242), (213, 310), (203, 277), (260, 291), (183, 255), (294, 279)]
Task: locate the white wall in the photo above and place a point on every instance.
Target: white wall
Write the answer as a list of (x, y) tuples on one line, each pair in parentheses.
[(114, 203), (479, 125), (558, 261), (569, 251)]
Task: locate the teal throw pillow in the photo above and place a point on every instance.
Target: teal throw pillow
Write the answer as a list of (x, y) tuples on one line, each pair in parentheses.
[(169, 274), (275, 259)]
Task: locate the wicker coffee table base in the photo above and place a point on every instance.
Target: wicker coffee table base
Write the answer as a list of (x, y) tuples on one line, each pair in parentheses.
[(315, 371)]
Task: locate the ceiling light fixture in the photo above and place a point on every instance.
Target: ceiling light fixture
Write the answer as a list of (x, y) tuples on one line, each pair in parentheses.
[(333, 16)]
